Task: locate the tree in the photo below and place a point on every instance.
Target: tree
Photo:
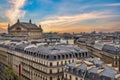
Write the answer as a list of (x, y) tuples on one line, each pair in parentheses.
[(9, 74)]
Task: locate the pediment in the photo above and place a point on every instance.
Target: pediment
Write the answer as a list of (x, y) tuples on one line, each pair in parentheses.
[(17, 27)]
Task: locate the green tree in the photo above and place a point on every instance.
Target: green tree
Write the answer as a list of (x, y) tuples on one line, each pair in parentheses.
[(10, 74)]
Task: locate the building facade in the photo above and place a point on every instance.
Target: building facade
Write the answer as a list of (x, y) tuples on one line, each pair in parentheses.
[(38, 61), (108, 53), (25, 30), (91, 69)]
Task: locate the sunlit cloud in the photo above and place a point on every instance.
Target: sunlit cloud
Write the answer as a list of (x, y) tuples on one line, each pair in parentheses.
[(113, 4), (60, 20), (62, 15), (82, 8), (3, 27), (15, 11), (74, 22)]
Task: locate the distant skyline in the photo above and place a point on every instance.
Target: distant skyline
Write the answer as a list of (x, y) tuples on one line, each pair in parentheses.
[(63, 15)]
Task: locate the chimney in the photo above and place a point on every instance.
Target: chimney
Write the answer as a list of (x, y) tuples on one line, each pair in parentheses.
[(39, 26), (18, 21), (8, 25), (100, 69), (117, 75), (8, 28), (30, 21)]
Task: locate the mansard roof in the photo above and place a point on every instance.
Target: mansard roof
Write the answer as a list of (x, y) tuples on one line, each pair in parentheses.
[(108, 71), (28, 25), (50, 52), (111, 49)]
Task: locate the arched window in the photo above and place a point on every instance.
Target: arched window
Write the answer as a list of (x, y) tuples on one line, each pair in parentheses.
[(18, 29)]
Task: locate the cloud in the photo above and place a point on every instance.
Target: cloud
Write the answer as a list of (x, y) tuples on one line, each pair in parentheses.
[(69, 20), (78, 22), (15, 11), (3, 27), (113, 4), (82, 8)]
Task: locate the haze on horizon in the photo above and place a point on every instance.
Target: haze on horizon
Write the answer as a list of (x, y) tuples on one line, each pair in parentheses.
[(63, 15)]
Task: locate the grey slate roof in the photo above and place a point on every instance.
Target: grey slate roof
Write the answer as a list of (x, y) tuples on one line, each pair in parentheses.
[(107, 72), (111, 49), (57, 49), (28, 25), (51, 52)]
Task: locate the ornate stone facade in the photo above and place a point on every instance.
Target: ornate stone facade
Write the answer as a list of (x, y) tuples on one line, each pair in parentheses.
[(25, 30)]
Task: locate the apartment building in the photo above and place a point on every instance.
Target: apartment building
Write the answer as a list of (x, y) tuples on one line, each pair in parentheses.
[(91, 69), (39, 61)]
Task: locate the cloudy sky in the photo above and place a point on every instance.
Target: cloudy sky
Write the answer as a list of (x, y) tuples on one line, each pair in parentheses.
[(63, 15)]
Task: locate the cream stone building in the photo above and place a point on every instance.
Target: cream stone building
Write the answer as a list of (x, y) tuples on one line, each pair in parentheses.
[(25, 30), (91, 69), (109, 52), (39, 61)]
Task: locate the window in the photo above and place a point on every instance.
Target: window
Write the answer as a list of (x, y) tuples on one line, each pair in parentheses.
[(70, 77), (66, 75), (57, 63), (54, 57), (50, 71), (86, 54), (76, 55), (69, 61), (58, 56), (58, 70), (72, 60), (47, 56), (61, 62), (66, 56), (63, 56), (65, 62), (82, 54), (76, 78), (70, 55), (79, 54), (50, 63), (50, 78)]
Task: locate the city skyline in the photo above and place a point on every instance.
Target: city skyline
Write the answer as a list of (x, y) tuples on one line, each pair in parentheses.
[(63, 15)]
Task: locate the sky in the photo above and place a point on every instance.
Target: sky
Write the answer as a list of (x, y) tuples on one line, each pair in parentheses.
[(63, 15)]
